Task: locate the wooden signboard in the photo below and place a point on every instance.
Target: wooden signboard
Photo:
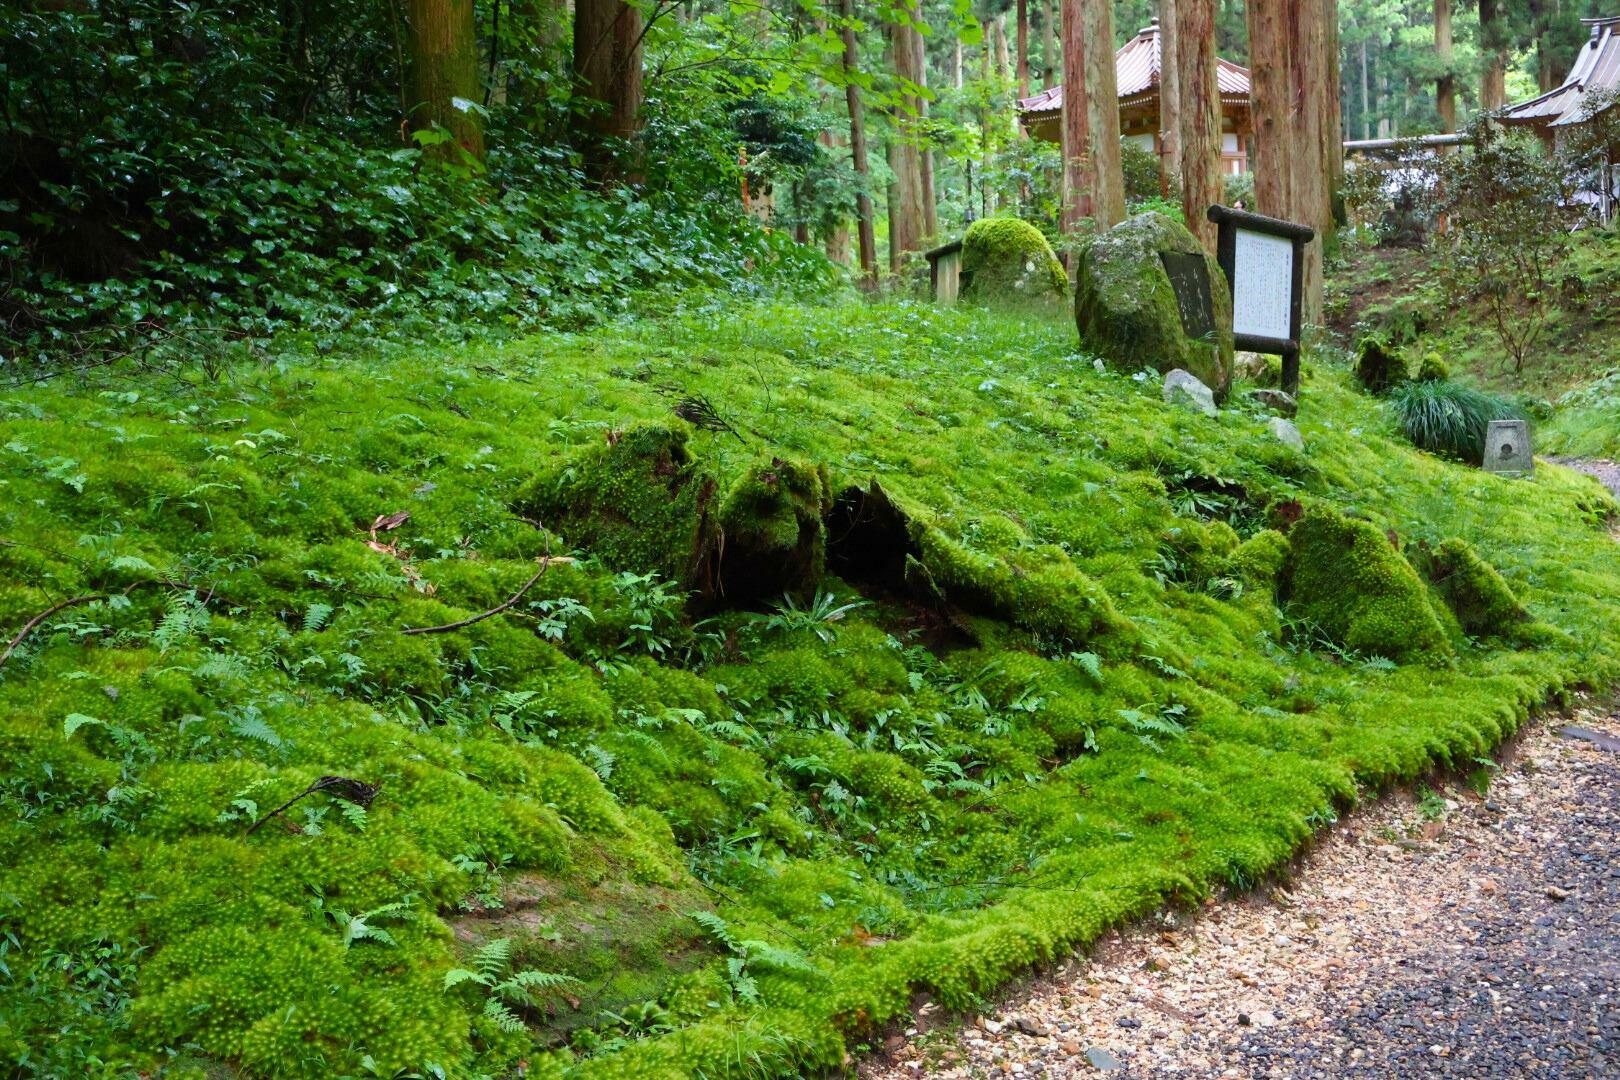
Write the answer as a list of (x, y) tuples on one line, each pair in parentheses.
[(1264, 262)]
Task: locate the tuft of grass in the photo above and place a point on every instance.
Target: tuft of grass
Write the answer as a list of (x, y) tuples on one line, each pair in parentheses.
[(1448, 418)]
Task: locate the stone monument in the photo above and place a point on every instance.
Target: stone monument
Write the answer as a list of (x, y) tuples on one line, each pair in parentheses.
[(1507, 448)]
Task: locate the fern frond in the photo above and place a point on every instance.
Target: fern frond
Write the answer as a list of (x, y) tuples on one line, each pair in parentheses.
[(504, 1018), (491, 960)]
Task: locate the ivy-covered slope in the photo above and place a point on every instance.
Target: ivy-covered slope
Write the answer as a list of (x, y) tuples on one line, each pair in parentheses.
[(620, 837)]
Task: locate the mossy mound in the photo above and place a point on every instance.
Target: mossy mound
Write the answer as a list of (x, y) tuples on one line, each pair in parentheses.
[(1433, 369), (1126, 307), (1346, 577), (640, 502), (1008, 259), (1473, 590)]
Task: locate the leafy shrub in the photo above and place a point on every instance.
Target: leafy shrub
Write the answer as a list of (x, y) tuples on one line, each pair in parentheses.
[(1448, 418)]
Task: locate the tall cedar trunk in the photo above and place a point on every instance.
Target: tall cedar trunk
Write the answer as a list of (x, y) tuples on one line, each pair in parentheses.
[(925, 150), (1093, 185), (1271, 98), (1445, 87), (1298, 153), (1331, 89), (1169, 100), (1199, 130), (1366, 95), (444, 66), (907, 220), (1023, 48), (607, 69), (1493, 44), (857, 148), (987, 138), (1049, 53)]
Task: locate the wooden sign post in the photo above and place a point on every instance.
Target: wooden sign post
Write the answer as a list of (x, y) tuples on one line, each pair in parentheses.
[(1264, 262)]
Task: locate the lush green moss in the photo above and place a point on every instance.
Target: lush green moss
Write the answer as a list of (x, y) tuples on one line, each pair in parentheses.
[(774, 539), (1346, 577), (1473, 590), (1433, 369), (1008, 259), (1051, 732), (639, 502)]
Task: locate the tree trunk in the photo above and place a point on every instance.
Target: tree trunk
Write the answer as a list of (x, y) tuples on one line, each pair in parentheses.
[(1093, 186), (857, 147), (924, 149), (1049, 52), (1199, 128), (1366, 96), (607, 70), (907, 220), (1271, 103), (1023, 48), (1169, 100), (1445, 87), (1493, 45), (444, 67)]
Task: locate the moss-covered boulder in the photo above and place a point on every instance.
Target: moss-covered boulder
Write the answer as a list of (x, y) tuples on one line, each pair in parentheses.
[(1126, 307), (1347, 578), (1007, 258), (638, 502), (1473, 590), (774, 536)]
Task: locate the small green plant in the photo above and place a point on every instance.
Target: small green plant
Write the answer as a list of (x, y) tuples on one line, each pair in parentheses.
[(505, 990), (1448, 418), (820, 616), (749, 954), (1431, 804)]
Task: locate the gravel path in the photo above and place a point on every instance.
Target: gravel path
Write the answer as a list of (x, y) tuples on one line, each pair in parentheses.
[(1607, 473), (1449, 935)]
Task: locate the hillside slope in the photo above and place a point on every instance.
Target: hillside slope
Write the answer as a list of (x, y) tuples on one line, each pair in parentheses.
[(729, 837)]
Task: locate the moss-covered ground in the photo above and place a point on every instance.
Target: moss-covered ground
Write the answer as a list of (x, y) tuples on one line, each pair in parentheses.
[(621, 836)]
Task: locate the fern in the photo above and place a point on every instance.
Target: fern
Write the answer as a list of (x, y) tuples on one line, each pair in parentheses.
[(249, 724), (316, 616), (183, 620), (489, 969)]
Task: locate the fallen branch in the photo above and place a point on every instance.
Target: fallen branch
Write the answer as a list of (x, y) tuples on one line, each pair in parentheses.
[(33, 624), (545, 564), (355, 791)]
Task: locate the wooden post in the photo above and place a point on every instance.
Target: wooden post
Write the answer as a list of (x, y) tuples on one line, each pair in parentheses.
[(1093, 185)]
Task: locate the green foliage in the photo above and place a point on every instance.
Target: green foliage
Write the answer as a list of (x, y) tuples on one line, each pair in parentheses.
[(1448, 418), (1433, 369), (504, 988)]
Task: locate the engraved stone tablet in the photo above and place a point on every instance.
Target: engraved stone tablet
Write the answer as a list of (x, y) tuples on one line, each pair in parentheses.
[(1263, 285), (1507, 448), (1189, 279)]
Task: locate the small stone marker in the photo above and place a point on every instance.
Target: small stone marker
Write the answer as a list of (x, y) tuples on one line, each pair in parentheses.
[(1285, 431), (1278, 401), (1189, 280), (1507, 448), (1184, 388)]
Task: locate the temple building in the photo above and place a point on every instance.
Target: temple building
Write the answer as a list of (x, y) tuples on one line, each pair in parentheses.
[(1137, 65)]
